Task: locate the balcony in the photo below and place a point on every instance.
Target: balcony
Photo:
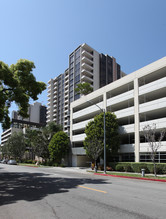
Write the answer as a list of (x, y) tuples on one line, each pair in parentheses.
[(86, 79), (120, 98), (160, 123), (87, 54), (78, 151), (66, 77), (153, 105), (87, 61), (66, 110), (48, 111), (49, 87), (66, 86), (66, 101), (144, 147), (87, 67), (126, 129), (124, 112), (48, 120), (153, 86), (49, 94), (78, 138), (81, 125), (87, 111), (55, 92), (87, 73), (48, 116)]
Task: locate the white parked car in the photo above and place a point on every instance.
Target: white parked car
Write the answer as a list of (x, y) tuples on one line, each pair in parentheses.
[(12, 162)]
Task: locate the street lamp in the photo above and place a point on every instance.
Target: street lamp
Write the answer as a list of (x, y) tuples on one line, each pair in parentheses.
[(103, 110)]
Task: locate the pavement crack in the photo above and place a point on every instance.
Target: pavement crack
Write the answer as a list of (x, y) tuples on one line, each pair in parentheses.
[(52, 209)]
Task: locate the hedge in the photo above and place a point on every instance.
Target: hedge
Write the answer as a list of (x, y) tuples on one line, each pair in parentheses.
[(136, 167)]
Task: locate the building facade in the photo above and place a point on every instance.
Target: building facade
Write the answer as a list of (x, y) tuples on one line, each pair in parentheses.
[(137, 99), (36, 119), (85, 65)]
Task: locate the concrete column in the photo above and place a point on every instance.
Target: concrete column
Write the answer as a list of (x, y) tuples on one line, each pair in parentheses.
[(136, 119), (71, 123), (105, 101)]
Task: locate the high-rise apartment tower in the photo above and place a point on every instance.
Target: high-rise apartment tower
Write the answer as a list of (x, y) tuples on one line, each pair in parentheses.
[(85, 65)]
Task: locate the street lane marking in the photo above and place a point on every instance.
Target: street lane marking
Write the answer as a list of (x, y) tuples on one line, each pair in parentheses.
[(92, 189)]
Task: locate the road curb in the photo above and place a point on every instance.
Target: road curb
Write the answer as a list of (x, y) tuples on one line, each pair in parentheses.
[(130, 177), (29, 166)]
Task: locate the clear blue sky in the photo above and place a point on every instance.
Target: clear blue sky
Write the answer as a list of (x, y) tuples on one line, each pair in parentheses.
[(47, 31)]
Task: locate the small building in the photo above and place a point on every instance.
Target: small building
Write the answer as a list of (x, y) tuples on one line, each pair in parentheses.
[(36, 119)]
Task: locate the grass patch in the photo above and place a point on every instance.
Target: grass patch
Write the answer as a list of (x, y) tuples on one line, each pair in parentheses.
[(132, 175), (28, 164)]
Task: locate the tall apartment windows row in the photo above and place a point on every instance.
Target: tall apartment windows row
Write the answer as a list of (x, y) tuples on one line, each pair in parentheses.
[(71, 59), (71, 77), (71, 82), (77, 61), (71, 99), (71, 65), (77, 79), (77, 53)]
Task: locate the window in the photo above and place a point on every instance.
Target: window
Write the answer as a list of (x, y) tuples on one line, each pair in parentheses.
[(71, 82), (77, 79), (77, 54), (71, 58), (71, 77), (77, 96)]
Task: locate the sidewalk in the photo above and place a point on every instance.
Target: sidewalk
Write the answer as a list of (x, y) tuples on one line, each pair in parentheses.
[(75, 169), (85, 170)]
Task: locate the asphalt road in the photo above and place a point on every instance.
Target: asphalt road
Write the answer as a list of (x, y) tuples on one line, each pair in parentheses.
[(45, 193)]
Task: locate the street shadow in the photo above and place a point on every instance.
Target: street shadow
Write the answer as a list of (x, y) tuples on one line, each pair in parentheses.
[(35, 186)]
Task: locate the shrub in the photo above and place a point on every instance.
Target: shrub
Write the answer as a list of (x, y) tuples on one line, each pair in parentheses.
[(127, 167), (112, 165), (120, 167), (29, 161), (164, 168), (138, 166), (150, 167)]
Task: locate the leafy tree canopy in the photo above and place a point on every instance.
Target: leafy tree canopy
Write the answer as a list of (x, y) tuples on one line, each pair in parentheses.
[(17, 84), (38, 140), (15, 146), (83, 88), (59, 146), (94, 141)]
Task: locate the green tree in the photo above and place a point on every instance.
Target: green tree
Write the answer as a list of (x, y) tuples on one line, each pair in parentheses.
[(16, 145), (94, 141), (34, 141), (59, 146), (83, 88), (38, 140), (17, 84), (5, 151)]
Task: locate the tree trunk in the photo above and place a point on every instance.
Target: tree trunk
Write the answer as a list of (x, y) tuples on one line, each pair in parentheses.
[(154, 168), (95, 167)]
